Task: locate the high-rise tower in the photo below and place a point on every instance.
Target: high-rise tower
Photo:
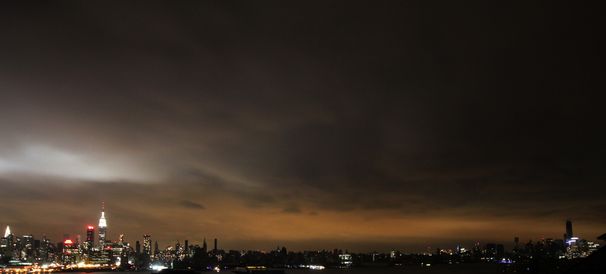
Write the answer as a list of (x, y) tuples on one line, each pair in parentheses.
[(6, 242), (90, 237), (7, 232), (147, 246), (137, 247), (102, 227), (568, 230)]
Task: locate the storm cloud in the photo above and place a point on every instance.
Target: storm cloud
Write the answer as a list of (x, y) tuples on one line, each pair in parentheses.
[(454, 121)]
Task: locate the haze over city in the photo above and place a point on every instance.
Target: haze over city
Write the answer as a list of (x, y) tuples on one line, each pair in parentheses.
[(364, 127)]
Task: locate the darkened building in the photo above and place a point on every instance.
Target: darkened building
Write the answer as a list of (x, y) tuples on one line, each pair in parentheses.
[(137, 247), (568, 229)]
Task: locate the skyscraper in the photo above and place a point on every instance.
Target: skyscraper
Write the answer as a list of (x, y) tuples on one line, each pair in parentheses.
[(568, 230), (6, 242), (102, 228), (137, 248), (147, 244), (7, 232), (90, 237)]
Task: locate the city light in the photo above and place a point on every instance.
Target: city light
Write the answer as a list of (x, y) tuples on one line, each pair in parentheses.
[(105, 255), (158, 267), (302, 137)]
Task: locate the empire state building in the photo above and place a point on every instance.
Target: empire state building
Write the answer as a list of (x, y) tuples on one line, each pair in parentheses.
[(102, 229)]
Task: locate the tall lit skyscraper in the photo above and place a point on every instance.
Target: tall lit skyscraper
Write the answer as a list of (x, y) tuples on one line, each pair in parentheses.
[(147, 244), (102, 228), (7, 232), (90, 235), (7, 241)]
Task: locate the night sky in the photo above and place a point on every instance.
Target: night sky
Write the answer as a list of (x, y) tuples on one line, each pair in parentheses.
[(365, 126)]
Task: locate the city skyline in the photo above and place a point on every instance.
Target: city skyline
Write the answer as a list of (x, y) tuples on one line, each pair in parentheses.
[(392, 125), (147, 240)]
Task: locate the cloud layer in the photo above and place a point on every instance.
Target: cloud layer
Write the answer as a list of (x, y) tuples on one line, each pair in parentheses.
[(366, 128)]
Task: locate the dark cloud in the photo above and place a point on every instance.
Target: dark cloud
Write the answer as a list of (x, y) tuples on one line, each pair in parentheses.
[(292, 209), (192, 205), (402, 110)]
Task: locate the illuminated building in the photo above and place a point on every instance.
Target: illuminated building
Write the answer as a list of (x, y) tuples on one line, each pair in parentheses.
[(147, 245), (7, 232), (90, 236), (345, 260), (102, 229), (7, 243), (4, 242), (179, 251), (90, 240), (70, 252), (45, 251), (116, 251), (27, 248), (592, 247)]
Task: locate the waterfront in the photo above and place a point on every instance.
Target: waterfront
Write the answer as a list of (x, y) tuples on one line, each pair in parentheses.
[(439, 269)]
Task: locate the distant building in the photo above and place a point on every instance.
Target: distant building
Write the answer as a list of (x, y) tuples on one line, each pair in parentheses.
[(147, 245), (7, 232), (27, 248), (569, 234), (7, 243), (90, 238), (345, 260), (102, 229), (186, 248), (490, 252), (137, 247), (70, 252), (500, 251)]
